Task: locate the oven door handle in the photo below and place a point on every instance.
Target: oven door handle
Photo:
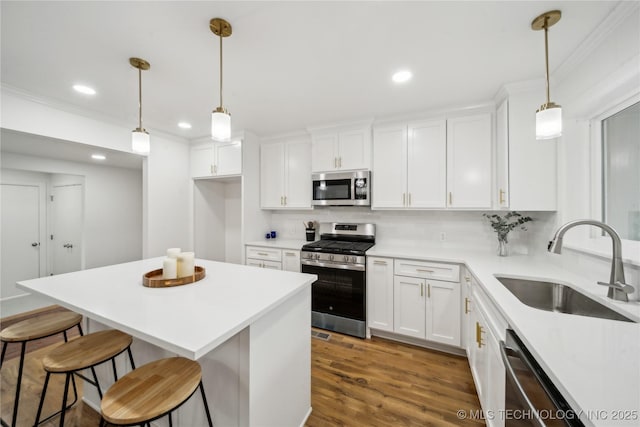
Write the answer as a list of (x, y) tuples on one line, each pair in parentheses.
[(511, 375), (337, 266)]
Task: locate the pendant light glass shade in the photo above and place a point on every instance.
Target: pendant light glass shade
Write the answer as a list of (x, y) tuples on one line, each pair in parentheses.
[(140, 141), (220, 117), (549, 115), (549, 122), (220, 126)]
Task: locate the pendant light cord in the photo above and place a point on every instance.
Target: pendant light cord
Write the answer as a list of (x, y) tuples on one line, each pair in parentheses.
[(546, 55), (220, 70), (140, 98)]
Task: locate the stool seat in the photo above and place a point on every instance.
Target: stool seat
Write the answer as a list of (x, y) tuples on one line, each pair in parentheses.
[(86, 351), (40, 327), (151, 391)]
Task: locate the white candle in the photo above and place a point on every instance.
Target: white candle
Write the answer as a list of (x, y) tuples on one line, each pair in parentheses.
[(173, 252), (186, 264), (169, 268)]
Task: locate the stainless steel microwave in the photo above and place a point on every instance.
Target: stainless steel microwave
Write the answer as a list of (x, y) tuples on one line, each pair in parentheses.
[(342, 188)]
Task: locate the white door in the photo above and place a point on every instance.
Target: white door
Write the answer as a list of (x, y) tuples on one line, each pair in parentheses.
[(228, 158), (380, 293), (66, 227), (390, 167), (298, 175), (324, 156), (469, 161), (21, 234), (443, 312), (427, 164), (354, 149), (409, 306), (272, 176), (202, 161)]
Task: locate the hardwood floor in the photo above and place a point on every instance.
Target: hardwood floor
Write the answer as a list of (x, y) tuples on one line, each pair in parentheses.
[(354, 382)]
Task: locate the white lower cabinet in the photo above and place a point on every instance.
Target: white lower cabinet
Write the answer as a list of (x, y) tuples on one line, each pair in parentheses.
[(380, 293), (427, 308), (484, 330), (275, 259)]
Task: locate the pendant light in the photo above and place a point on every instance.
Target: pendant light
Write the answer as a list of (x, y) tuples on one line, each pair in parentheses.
[(140, 141), (549, 115), (220, 117)]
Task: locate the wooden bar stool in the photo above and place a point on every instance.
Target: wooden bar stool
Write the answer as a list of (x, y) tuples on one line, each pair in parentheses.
[(153, 391), (32, 329), (82, 353)]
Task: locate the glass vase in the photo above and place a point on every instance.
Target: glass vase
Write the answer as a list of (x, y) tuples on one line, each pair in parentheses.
[(503, 249)]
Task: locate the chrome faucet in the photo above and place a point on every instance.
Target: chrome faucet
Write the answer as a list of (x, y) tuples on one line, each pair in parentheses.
[(618, 289)]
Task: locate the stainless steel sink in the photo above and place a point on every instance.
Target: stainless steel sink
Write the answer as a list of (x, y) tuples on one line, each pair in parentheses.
[(557, 297)]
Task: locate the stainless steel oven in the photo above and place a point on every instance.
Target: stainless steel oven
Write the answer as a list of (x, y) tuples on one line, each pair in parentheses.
[(342, 188), (338, 297), (531, 397)]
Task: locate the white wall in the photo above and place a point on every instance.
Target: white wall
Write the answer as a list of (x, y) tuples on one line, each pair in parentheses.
[(167, 199)]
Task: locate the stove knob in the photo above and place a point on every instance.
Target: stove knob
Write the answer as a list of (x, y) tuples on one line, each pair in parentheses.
[(309, 256), (330, 257), (354, 259), (346, 258), (317, 256)]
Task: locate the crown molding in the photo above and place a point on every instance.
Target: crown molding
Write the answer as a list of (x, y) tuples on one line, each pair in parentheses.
[(83, 112), (513, 88), (620, 13), (296, 134), (341, 125)]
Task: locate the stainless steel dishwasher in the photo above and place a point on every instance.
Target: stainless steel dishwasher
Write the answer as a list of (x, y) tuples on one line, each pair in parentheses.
[(531, 397)]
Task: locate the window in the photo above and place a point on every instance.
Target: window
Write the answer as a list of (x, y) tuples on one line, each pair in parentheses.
[(621, 172)]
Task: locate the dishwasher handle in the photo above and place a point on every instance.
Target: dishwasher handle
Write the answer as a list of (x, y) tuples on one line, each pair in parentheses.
[(511, 376)]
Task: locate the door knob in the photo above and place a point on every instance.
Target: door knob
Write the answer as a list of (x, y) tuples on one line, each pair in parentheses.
[(34, 244), (67, 245)]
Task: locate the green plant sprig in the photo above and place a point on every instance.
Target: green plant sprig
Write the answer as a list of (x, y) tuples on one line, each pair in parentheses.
[(504, 224)]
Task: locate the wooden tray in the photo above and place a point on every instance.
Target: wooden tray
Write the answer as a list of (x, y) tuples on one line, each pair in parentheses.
[(153, 279)]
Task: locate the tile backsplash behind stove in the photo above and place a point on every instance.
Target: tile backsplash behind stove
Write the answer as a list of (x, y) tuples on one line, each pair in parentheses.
[(446, 229)]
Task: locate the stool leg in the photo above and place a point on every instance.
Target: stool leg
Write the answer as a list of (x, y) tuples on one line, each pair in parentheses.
[(170, 419), (66, 338), (64, 398), (80, 329), (206, 406), (4, 350), (17, 399), (102, 422), (95, 378), (115, 371), (42, 395), (133, 365)]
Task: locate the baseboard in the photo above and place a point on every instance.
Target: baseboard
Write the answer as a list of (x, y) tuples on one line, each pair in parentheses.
[(21, 304), (457, 351), (306, 416)]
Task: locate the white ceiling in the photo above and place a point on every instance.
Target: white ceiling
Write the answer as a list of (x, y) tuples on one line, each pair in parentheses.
[(288, 65)]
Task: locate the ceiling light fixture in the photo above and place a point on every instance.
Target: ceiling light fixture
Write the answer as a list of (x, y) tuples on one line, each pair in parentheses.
[(98, 157), (220, 117), (140, 140), (184, 125), (549, 115), (86, 90), (402, 76)]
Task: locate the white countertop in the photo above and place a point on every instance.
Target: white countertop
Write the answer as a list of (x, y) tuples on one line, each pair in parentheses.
[(189, 320), (595, 363), (278, 243)]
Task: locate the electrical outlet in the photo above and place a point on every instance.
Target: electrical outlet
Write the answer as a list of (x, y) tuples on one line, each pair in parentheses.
[(443, 236)]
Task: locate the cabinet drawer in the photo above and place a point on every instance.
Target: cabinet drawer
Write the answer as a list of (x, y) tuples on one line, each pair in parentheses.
[(427, 270), (264, 253)]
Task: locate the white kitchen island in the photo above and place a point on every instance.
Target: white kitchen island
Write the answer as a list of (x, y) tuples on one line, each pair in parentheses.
[(249, 328)]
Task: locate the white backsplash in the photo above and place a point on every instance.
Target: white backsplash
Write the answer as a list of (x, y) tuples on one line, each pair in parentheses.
[(462, 229)]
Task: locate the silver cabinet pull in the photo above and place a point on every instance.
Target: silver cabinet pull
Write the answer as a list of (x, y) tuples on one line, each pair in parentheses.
[(262, 254), (339, 162), (285, 200), (404, 203), (409, 199), (211, 169), (450, 198), (423, 270), (290, 253), (335, 163), (421, 290), (378, 262), (429, 290)]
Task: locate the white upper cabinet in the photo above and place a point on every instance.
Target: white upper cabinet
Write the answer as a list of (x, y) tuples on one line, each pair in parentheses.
[(526, 167), (469, 171), (285, 175), (216, 159), (389, 173), (341, 148)]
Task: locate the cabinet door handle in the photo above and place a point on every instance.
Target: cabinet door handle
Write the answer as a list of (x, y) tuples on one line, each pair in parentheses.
[(281, 200), (466, 305), (335, 163), (404, 203), (409, 199), (450, 198), (479, 335), (285, 200), (428, 290), (467, 279), (215, 169), (339, 162), (262, 254), (501, 196), (424, 270), (211, 169), (289, 254), (421, 290), (378, 262)]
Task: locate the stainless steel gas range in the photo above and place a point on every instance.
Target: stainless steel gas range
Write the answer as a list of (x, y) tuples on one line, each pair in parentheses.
[(338, 297)]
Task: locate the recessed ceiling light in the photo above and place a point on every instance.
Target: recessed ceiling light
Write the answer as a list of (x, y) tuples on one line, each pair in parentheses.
[(84, 89), (184, 125), (402, 76), (98, 157)]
